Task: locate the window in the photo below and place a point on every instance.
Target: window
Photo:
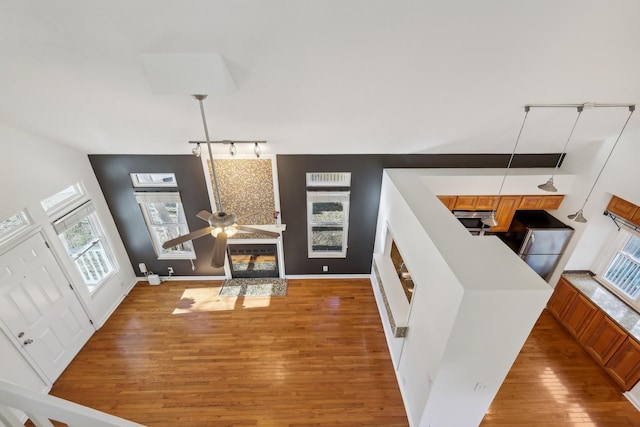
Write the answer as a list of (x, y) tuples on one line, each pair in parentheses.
[(154, 180), (327, 223), (165, 219), (623, 271), (62, 199), (13, 226), (82, 237)]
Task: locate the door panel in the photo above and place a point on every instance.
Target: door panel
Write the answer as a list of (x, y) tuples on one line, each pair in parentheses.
[(548, 242), (39, 308)]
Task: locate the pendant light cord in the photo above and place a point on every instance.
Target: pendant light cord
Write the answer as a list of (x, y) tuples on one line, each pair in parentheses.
[(580, 109), (526, 113), (213, 166), (632, 108)]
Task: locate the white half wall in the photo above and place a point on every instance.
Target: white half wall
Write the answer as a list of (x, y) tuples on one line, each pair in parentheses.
[(474, 304)]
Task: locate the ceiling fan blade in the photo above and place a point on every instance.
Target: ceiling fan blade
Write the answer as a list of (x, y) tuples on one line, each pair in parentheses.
[(219, 250), (193, 235), (204, 215), (258, 231)]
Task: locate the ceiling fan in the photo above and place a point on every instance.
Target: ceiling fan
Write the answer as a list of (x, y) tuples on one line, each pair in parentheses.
[(221, 224)]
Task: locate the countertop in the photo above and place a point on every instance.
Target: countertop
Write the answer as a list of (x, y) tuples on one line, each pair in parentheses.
[(624, 315)]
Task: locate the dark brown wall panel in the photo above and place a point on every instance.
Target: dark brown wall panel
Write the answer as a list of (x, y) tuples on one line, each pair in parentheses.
[(112, 172), (366, 181)]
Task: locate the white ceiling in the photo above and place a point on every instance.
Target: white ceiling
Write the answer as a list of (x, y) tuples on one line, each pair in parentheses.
[(323, 76)]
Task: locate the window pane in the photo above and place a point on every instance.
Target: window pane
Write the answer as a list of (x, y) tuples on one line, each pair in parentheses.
[(13, 225), (624, 273), (327, 213), (84, 246), (165, 233), (62, 198), (326, 239), (165, 213), (154, 180), (632, 248)]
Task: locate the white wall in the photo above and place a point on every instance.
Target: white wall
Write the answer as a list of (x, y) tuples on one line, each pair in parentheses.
[(34, 169), (473, 307)]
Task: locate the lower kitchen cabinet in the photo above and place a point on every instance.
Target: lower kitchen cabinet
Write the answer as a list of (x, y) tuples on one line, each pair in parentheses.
[(609, 344), (602, 337), (578, 315), (624, 365)]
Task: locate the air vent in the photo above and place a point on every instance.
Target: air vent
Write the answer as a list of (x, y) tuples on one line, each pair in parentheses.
[(328, 179)]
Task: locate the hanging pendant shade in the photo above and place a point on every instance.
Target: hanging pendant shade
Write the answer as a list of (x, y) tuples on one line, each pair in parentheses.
[(548, 186), (490, 220), (577, 217)]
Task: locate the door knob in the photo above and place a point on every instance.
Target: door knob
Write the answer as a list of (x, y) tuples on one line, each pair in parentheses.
[(28, 341)]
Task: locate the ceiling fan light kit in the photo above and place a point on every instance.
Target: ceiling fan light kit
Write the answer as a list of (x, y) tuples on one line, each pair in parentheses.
[(221, 224)]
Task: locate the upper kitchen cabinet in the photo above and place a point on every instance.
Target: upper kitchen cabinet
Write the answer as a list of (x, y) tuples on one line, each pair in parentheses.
[(625, 209), (449, 201), (504, 213), (540, 202)]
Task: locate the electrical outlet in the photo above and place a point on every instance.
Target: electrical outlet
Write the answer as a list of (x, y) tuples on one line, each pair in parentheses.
[(170, 270), (143, 267), (325, 268)]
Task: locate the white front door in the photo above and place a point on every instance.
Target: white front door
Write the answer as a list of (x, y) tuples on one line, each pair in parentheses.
[(39, 308)]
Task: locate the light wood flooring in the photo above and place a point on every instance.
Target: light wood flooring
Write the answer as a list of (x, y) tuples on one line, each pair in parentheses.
[(176, 354), (554, 382), (179, 355)]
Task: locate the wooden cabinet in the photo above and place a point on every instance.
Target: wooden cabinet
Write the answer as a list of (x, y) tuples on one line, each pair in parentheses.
[(609, 344), (551, 202), (618, 206), (602, 337), (578, 314), (562, 296), (486, 203), (624, 364), (466, 203), (504, 213), (540, 202), (449, 201)]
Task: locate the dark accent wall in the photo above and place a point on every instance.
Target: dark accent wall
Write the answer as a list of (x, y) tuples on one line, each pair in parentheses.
[(112, 172), (366, 181)]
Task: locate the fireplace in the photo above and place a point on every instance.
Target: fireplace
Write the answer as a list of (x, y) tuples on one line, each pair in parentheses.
[(253, 260)]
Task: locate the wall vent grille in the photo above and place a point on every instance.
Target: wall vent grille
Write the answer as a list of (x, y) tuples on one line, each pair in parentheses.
[(328, 179)]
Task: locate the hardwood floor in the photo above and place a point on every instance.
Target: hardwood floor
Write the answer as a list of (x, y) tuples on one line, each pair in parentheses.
[(554, 382), (177, 354)]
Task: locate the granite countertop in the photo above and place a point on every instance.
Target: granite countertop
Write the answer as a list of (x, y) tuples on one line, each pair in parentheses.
[(624, 315)]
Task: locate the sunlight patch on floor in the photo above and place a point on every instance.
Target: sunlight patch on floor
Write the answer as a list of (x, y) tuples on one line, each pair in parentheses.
[(255, 302), (575, 412), (204, 299)]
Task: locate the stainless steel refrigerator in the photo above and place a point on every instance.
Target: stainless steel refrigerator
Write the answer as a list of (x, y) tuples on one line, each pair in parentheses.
[(539, 239)]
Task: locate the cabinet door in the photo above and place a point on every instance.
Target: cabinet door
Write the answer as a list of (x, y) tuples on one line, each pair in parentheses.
[(486, 202), (602, 338), (530, 202), (578, 315), (562, 296), (504, 214), (621, 207), (624, 365), (466, 202), (551, 202), (449, 201)]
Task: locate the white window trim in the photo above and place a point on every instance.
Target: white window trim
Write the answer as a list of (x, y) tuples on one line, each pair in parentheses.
[(136, 183), (331, 196), (67, 204), (616, 242), (162, 197)]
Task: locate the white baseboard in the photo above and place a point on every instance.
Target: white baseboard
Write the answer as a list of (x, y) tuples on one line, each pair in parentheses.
[(329, 276), (631, 398), (183, 278)]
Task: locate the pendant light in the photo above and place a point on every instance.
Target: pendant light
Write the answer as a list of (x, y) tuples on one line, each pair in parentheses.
[(232, 148), (491, 219), (257, 150), (196, 150), (578, 216), (548, 186)]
